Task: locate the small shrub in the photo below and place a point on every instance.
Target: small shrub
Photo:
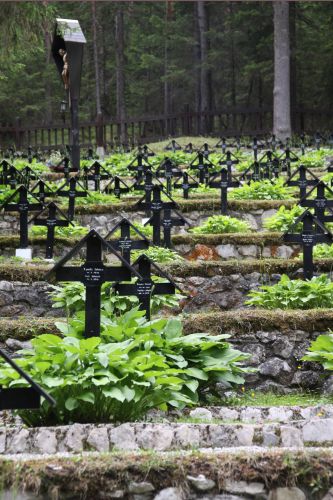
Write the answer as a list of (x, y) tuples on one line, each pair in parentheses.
[(132, 367), (323, 251), (262, 190), (65, 232), (294, 294), (159, 255), (218, 224)]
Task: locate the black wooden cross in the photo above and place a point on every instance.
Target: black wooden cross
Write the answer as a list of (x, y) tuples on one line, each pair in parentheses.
[(51, 222), (202, 165), (96, 173), (222, 143), (185, 184), (93, 273), (222, 181), (28, 175), (42, 191), (168, 222), (189, 148), (22, 398), (23, 207), (10, 176), (71, 193), (255, 146), (146, 151), (313, 232), (125, 244), (173, 146), (298, 178), (205, 150), (270, 162), (318, 139), (117, 186), (139, 165), (145, 287), (4, 171), (156, 205), (168, 170), (320, 203), (228, 159), (253, 173), (285, 159)]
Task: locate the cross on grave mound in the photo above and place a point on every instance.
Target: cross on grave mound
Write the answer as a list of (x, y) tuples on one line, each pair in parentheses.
[(139, 165), (299, 178), (320, 203), (51, 222), (205, 150), (204, 167), (185, 184), (228, 159), (23, 207), (189, 148), (28, 175), (125, 243), (42, 191), (95, 173), (155, 206), (313, 232), (269, 162), (71, 193), (168, 170), (10, 176), (254, 173), (173, 146), (22, 398), (93, 273), (145, 287), (4, 171), (117, 186), (168, 222), (285, 159), (255, 146), (146, 184), (223, 181), (145, 151)]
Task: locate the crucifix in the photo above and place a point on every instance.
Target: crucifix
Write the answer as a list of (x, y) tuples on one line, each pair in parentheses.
[(168, 222), (95, 173), (42, 191), (71, 193), (223, 183), (313, 232), (185, 184), (298, 178), (156, 205), (125, 244), (51, 222), (117, 187), (23, 207), (145, 287), (320, 203), (167, 170), (202, 165), (22, 398), (93, 273)]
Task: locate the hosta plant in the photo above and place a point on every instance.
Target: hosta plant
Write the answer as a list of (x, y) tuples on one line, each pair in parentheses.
[(294, 294), (262, 190), (65, 232), (218, 224), (321, 350), (132, 367), (159, 255), (323, 251), (284, 219)]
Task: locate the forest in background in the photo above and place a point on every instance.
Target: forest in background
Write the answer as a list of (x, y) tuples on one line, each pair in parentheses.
[(148, 58)]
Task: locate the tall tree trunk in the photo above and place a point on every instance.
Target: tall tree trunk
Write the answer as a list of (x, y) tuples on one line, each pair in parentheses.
[(281, 93), (204, 86), (166, 84), (48, 91), (293, 74), (99, 117), (120, 73), (197, 72)]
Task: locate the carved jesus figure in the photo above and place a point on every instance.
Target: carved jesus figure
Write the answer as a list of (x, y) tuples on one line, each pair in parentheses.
[(65, 69)]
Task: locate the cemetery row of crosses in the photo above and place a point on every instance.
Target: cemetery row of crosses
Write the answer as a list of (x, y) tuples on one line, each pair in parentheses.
[(167, 283)]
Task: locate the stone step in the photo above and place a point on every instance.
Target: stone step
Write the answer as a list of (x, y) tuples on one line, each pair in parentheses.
[(231, 474), (164, 436)]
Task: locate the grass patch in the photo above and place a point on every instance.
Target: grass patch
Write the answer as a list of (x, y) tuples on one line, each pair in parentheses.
[(268, 399), (245, 238)]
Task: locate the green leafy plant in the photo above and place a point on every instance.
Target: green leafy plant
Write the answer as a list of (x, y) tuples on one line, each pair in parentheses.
[(321, 350), (284, 219), (65, 232), (262, 190), (71, 296), (160, 255), (294, 294), (218, 224), (132, 367), (323, 251)]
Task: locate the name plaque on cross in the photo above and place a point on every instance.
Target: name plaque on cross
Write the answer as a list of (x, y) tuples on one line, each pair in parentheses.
[(320, 202), (93, 274), (143, 288), (167, 223), (51, 222), (125, 243), (71, 194), (156, 205), (23, 207), (307, 239)]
